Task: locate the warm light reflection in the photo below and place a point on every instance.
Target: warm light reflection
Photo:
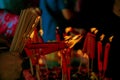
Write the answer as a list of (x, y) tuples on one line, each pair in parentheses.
[(41, 32), (32, 34), (37, 19), (33, 25)]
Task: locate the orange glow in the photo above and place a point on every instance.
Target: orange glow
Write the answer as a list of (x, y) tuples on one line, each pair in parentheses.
[(41, 32), (96, 31), (110, 39), (74, 40), (37, 19), (32, 34), (92, 29), (102, 37), (79, 52), (85, 56), (40, 61), (59, 54), (67, 37), (68, 29)]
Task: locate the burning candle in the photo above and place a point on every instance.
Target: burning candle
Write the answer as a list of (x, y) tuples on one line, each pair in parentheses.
[(90, 42), (99, 50), (89, 45), (106, 54)]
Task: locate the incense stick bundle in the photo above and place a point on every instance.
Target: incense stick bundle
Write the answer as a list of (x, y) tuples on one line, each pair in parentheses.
[(17, 30), (22, 29), (29, 31), (26, 20)]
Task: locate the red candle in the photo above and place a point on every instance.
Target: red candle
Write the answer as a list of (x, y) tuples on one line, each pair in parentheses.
[(106, 54), (30, 53), (89, 45), (68, 62), (63, 64), (85, 44), (99, 51)]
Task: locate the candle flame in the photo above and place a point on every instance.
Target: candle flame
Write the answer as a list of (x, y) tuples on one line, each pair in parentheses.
[(74, 40), (75, 37), (110, 39), (67, 37), (68, 29), (96, 31), (92, 29), (102, 37)]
